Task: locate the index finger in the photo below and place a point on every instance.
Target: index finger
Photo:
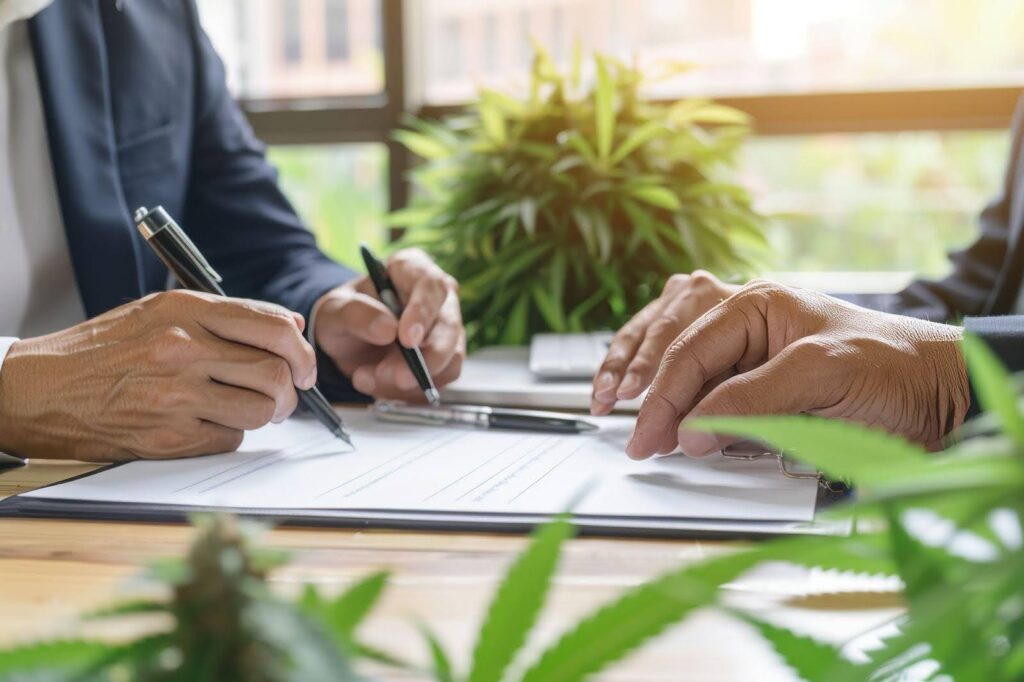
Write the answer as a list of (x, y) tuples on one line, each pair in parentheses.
[(620, 353), (424, 287), (265, 326), (728, 335)]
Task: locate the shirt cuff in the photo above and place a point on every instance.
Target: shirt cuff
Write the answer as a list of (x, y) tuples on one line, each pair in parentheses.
[(311, 322), (5, 345)]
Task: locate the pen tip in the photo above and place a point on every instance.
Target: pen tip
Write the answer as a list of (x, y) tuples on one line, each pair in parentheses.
[(342, 434), (586, 426), (433, 397)]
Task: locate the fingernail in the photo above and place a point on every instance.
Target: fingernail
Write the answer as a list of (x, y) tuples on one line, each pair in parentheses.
[(310, 380), (381, 328), (416, 334), (629, 385), (364, 382), (385, 373), (597, 408), (632, 450), (697, 443), (605, 381)]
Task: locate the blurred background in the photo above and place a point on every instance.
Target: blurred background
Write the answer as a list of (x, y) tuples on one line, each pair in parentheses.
[(881, 125)]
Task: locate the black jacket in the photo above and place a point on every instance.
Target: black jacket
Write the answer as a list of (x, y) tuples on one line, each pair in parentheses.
[(982, 290)]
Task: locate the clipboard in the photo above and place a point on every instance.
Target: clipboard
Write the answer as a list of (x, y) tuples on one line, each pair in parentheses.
[(657, 498)]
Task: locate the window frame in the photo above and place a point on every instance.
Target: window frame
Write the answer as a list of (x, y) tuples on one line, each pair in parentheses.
[(372, 118)]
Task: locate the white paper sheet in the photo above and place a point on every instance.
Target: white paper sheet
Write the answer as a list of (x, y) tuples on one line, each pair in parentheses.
[(426, 469)]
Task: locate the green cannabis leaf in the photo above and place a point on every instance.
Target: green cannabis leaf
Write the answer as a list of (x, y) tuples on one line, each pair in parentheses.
[(518, 602)]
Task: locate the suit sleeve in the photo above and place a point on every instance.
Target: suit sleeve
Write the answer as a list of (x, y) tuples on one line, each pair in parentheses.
[(976, 269), (238, 215)]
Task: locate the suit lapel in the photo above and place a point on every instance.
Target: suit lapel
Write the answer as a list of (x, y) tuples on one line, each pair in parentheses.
[(71, 60)]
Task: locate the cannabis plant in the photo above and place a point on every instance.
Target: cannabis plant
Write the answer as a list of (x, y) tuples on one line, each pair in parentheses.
[(567, 209), (225, 625)]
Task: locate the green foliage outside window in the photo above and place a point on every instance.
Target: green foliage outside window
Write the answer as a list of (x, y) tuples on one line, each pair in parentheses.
[(567, 211)]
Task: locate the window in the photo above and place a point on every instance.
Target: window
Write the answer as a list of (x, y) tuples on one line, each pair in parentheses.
[(341, 193), (881, 124), (492, 43), (867, 212), (852, 211), (336, 29), (748, 47), (298, 49), (292, 31), (450, 46), (525, 39)]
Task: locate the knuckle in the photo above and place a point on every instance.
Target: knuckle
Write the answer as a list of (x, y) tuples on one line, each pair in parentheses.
[(641, 365), (704, 284), (677, 280), (175, 299), (174, 345), (173, 398), (263, 411), (813, 349), (665, 325), (280, 373)]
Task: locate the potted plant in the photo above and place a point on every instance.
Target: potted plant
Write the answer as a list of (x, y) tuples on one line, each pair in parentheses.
[(566, 210)]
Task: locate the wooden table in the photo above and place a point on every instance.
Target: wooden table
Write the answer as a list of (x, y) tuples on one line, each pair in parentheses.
[(51, 570)]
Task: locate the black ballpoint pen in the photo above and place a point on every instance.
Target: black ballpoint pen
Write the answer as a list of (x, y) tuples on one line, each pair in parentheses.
[(481, 417), (389, 296), (189, 267)]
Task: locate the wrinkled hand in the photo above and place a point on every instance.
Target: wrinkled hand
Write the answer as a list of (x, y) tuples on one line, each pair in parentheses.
[(636, 351), (358, 332), (775, 350), (175, 374)]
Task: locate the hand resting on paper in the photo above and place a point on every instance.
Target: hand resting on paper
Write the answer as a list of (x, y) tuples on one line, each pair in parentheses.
[(771, 349), (174, 374), (636, 351), (358, 332)]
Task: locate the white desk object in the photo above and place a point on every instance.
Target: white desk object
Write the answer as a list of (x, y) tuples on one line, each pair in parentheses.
[(501, 376)]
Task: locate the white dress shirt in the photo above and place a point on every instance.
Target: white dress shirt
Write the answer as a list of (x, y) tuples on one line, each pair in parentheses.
[(38, 291)]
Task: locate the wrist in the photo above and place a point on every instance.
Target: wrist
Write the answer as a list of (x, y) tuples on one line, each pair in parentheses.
[(11, 358), (954, 386)]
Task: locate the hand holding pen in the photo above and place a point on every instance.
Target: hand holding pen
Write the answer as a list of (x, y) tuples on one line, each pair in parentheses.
[(364, 337), (192, 271)]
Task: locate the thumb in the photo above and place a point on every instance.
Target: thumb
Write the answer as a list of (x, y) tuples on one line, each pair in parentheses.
[(789, 383)]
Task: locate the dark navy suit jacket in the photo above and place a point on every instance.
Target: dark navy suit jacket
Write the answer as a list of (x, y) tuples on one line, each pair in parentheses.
[(138, 113), (986, 280)]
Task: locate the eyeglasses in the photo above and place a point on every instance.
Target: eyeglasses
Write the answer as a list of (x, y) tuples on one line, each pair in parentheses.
[(749, 452)]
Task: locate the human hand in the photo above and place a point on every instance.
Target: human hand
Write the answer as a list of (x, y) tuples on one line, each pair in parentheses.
[(174, 374), (771, 349), (637, 349), (358, 332)]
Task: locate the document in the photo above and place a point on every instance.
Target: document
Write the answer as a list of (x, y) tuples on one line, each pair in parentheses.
[(398, 469)]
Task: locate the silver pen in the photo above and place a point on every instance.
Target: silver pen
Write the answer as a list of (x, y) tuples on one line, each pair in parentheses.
[(481, 417)]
